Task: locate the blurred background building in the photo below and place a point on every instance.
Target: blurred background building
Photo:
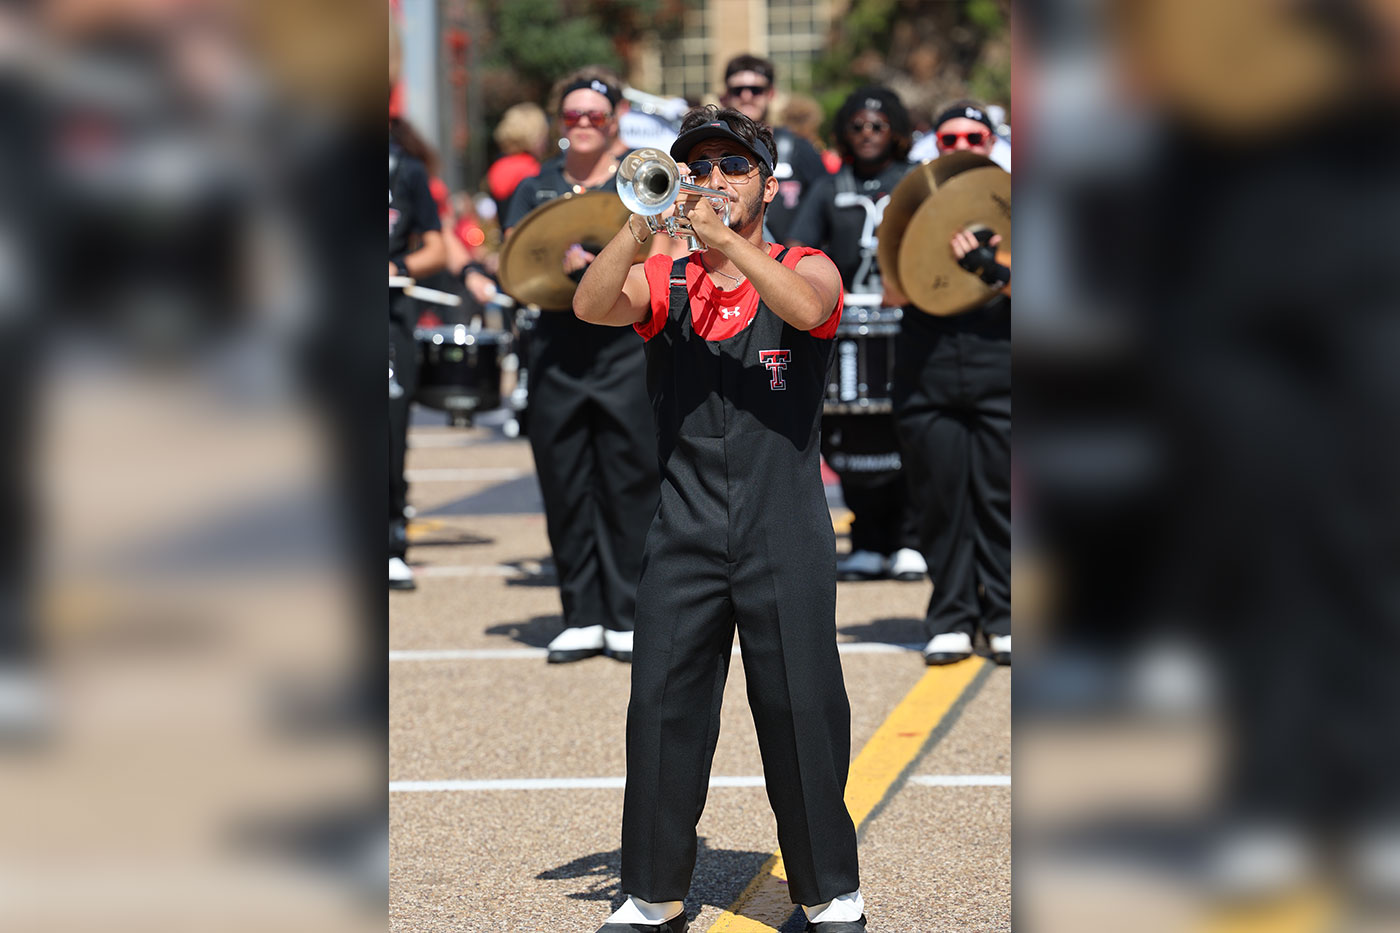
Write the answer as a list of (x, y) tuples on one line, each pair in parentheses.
[(466, 61)]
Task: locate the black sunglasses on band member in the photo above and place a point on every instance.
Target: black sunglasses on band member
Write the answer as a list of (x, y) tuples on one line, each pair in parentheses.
[(874, 126), (737, 90), (733, 166)]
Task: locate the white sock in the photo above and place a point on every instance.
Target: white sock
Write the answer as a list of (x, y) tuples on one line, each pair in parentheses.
[(848, 907), (636, 910)]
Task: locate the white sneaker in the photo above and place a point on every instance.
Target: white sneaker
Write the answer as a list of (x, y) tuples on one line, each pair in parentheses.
[(860, 565), (575, 644), (1001, 648), (400, 575), (617, 645), (908, 565), (948, 648)]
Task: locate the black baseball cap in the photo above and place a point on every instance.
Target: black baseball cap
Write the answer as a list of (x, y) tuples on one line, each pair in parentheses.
[(688, 140)]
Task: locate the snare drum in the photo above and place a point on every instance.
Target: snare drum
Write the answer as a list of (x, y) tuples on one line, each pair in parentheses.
[(862, 376), (461, 369)]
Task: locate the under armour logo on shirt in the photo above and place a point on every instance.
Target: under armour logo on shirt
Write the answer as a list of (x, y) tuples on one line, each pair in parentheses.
[(776, 361), (728, 313)]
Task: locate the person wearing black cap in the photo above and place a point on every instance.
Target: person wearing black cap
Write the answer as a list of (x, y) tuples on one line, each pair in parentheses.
[(749, 89), (590, 420), (841, 214), (739, 340), (952, 397), (964, 126)]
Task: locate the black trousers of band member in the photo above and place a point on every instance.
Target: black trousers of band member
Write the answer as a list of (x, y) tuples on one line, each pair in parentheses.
[(864, 452), (953, 405), (594, 440), (406, 373), (688, 608)]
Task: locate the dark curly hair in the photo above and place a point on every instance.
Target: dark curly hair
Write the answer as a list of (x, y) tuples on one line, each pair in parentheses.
[(901, 127), (739, 123)]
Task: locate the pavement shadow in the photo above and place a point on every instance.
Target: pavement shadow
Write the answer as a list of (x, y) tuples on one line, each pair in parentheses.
[(520, 496), (533, 633), (893, 631), (720, 877), (538, 571)]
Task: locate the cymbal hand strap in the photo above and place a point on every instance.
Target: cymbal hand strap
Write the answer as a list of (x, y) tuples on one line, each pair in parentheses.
[(982, 262)]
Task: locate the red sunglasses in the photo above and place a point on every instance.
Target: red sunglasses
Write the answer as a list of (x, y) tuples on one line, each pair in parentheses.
[(949, 140), (573, 118)]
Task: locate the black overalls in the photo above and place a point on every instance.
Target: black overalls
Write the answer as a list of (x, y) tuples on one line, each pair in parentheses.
[(742, 536), (591, 435)]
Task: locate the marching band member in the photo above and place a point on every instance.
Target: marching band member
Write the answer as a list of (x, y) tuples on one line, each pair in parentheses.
[(590, 422), (953, 408), (738, 343), (840, 214), (417, 250)]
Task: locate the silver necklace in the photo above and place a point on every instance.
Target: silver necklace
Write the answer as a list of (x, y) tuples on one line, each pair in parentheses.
[(731, 278)]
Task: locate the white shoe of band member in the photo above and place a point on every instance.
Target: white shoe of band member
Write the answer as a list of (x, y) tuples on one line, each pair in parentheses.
[(575, 644), (861, 564), (400, 574), (618, 644), (908, 564), (1001, 648), (847, 908), (635, 910), (948, 645)]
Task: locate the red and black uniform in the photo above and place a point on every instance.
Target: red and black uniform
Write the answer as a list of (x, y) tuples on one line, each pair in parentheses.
[(742, 538)]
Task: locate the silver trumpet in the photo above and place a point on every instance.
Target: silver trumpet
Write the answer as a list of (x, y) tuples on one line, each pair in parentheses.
[(649, 181)]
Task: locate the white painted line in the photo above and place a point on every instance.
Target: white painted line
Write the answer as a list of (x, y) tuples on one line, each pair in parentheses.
[(617, 783), (416, 438), (465, 655), (471, 570), (465, 474), (489, 654), (961, 780)]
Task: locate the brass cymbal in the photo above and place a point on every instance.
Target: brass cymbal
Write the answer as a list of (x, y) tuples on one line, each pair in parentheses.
[(531, 269), (921, 181), (928, 272)]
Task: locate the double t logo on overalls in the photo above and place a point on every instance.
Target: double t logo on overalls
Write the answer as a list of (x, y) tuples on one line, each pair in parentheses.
[(776, 361)]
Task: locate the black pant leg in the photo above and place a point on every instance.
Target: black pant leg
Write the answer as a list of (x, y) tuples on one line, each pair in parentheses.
[(680, 661), (786, 610), (624, 445), (561, 439), (935, 436), (990, 476), (406, 374)]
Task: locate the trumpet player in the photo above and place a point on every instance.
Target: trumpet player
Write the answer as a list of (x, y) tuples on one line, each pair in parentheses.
[(738, 343)]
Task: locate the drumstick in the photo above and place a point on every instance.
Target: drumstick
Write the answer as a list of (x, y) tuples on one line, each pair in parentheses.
[(432, 295), (400, 281)]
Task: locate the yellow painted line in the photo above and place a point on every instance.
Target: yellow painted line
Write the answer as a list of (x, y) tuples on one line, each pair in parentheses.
[(1310, 911), (841, 521), (422, 526), (764, 904)]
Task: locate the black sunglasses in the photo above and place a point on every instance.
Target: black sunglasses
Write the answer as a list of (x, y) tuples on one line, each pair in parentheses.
[(733, 166), (737, 90), (875, 126)]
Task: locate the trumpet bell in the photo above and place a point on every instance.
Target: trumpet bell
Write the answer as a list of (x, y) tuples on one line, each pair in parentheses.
[(647, 181)]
